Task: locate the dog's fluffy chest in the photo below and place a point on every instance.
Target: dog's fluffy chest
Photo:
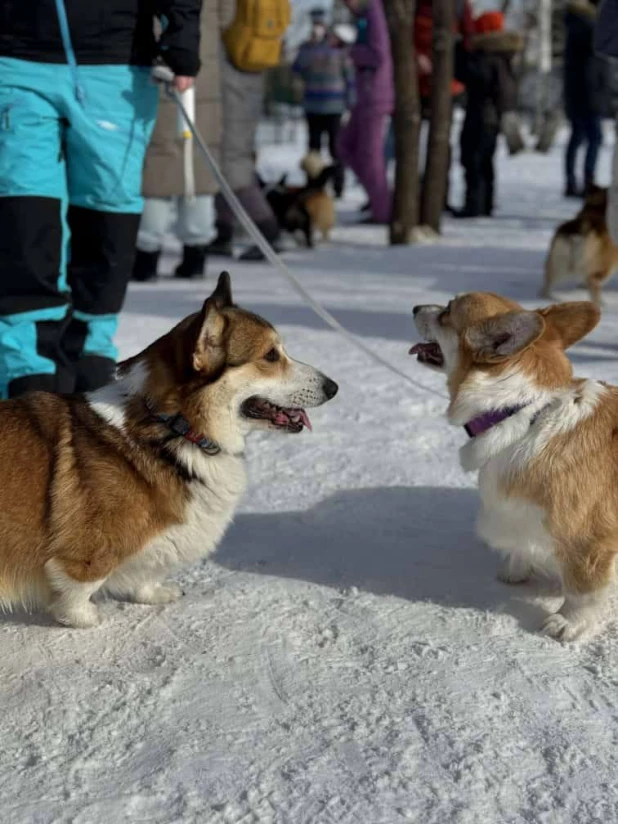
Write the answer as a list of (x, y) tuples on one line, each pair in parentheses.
[(213, 500), (509, 524)]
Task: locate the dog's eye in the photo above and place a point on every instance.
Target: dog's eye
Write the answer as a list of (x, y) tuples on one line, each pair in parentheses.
[(272, 356)]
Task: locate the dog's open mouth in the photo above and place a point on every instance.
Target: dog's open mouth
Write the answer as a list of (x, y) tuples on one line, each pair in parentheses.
[(429, 353), (292, 420)]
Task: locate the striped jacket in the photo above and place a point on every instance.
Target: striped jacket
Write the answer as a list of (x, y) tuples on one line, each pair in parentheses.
[(328, 78)]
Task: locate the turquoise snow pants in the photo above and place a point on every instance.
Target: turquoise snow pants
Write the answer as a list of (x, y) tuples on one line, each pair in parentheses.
[(70, 182)]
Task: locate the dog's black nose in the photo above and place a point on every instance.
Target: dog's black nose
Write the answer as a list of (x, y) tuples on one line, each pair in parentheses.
[(330, 388), (416, 310)]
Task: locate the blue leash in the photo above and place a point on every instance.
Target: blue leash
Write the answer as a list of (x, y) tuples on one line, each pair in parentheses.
[(67, 44)]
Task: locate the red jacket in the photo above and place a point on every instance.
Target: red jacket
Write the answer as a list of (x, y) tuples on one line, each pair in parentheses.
[(423, 35)]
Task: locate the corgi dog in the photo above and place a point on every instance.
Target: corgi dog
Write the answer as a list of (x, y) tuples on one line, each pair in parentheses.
[(544, 443), (303, 209), (115, 490), (319, 203), (582, 248)]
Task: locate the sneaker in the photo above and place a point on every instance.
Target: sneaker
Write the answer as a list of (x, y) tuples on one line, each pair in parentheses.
[(193, 263), (145, 266)]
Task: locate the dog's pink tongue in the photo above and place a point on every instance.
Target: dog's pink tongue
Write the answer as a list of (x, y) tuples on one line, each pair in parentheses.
[(305, 419), (416, 349)]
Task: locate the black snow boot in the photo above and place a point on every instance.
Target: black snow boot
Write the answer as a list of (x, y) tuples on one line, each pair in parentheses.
[(221, 246), (193, 263), (145, 266)]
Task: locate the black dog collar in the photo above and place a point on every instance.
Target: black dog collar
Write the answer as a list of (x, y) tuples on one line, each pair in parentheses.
[(180, 426)]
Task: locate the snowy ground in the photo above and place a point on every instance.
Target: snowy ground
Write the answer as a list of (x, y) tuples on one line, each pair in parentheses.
[(348, 657)]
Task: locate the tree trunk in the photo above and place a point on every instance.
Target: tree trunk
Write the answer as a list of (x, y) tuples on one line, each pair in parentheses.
[(438, 143), (406, 120)]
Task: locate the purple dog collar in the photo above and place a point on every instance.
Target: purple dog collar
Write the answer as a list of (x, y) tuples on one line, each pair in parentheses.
[(484, 422)]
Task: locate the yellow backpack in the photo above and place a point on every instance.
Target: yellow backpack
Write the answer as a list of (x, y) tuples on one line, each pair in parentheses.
[(254, 39)]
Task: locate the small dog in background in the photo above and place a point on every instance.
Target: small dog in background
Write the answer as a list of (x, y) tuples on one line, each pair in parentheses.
[(582, 248), (304, 208), (320, 203)]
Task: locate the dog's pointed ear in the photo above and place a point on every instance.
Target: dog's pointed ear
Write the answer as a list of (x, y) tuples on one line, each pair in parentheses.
[(571, 322), (222, 296), (209, 352), (498, 338)]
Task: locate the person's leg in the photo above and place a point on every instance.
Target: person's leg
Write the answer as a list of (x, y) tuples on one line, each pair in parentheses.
[(195, 231), (333, 127), (314, 128), (372, 167), (594, 136), (612, 203), (34, 305), (348, 141), (490, 142), (106, 141), (471, 160), (578, 135), (195, 220), (252, 198), (154, 224)]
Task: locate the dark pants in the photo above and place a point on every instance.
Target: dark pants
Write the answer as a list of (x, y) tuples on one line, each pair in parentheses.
[(585, 129), (329, 125), (478, 146)]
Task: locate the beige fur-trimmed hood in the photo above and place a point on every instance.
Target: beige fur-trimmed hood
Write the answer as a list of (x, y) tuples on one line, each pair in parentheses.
[(581, 8), (497, 42)]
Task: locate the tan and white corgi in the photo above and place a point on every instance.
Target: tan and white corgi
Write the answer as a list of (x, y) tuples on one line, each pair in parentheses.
[(114, 490), (583, 249), (545, 444)]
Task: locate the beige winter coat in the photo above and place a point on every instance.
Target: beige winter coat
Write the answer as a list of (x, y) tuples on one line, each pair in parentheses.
[(163, 167)]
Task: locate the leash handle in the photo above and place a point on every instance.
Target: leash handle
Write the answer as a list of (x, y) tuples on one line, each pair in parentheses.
[(162, 74)]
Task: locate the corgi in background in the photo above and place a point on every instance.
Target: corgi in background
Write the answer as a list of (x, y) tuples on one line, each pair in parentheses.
[(583, 249)]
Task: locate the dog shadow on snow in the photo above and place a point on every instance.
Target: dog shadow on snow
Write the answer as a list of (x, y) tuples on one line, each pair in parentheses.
[(416, 543)]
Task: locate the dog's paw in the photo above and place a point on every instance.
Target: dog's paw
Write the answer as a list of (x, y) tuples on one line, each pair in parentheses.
[(157, 594), (514, 571), (82, 617), (558, 627)]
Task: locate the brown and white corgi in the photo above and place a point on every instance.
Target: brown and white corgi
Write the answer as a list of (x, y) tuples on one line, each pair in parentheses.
[(114, 490), (582, 248), (545, 444)]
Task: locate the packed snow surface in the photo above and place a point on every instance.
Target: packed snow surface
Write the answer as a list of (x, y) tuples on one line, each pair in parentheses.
[(348, 656)]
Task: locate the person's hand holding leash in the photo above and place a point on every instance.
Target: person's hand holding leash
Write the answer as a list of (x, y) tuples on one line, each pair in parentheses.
[(181, 83)]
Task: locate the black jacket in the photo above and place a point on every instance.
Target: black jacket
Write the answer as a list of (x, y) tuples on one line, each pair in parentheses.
[(581, 80), (103, 32), (486, 70)]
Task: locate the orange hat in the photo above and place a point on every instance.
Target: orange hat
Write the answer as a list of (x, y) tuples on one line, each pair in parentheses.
[(489, 21)]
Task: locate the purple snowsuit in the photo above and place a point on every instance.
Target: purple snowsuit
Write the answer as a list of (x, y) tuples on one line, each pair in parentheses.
[(361, 143)]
